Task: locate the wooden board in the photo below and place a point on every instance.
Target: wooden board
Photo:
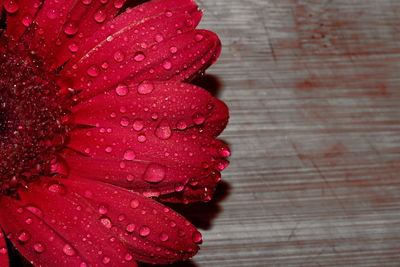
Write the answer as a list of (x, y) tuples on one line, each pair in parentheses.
[(314, 94)]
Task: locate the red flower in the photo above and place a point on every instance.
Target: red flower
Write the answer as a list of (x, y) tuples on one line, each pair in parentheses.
[(95, 118)]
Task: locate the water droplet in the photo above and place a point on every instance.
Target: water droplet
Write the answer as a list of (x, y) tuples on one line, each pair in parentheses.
[(87, 2), (29, 220), (35, 210), (139, 56), (57, 187), (122, 89), (179, 188), (130, 228), (154, 173), (168, 13), (141, 138), (223, 151), (138, 124), (129, 155), (199, 37), (159, 38), (167, 65), (93, 71), (73, 47), (68, 250), (103, 209), (106, 260), (119, 56), (11, 6), (27, 20), (70, 28), (3, 251), (24, 236), (39, 247), (196, 237), (106, 222), (145, 87), (163, 130), (118, 4), (124, 121), (181, 125), (104, 65), (134, 203), (198, 119), (100, 15), (163, 237), (128, 257), (173, 49), (144, 231)]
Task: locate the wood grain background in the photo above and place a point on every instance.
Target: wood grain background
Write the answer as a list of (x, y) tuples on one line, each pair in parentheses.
[(314, 94)]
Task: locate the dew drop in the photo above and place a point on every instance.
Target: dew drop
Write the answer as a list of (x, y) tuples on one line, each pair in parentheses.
[(196, 237), (73, 47), (35, 210), (122, 90), (100, 15), (24, 236), (3, 250), (199, 37), (129, 155), (139, 56), (11, 6), (223, 151), (163, 131), (70, 28), (173, 49), (119, 56), (168, 13), (134, 203), (106, 222), (68, 250), (103, 209), (57, 188), (106, 260), (141, 138), (108, 149), (198, 119), (27, 20), (138, 124), (167, 65), (124, 121), (181, 125), (128, 257), (144, 231), (118, 4), (154, 173), (39, 247), (163, 237), (145, 87), (130, 228), (93, 71), (159, 38), (87, 2)]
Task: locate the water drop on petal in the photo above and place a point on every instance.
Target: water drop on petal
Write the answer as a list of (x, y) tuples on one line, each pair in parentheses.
[(68, 250), (144, 231), (39, 247), (129, 155), (154, 173), (145, 87)]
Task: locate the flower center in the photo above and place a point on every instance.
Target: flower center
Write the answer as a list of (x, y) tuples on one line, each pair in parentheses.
[(31, 131)]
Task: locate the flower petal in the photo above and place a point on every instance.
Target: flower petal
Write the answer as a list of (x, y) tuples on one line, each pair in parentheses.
[(20, 16), (99, 223), (62, 25), (140, 50), (140, 133), (3, 248), (33, 237)]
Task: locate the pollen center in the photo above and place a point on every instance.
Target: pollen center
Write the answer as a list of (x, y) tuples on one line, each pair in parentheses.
[(31, 131)]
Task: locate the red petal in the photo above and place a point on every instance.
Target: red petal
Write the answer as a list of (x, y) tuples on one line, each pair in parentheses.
[(90, 17), (95, 217), (143, 51), (162, 118), (18, 21), (34, 237), (3, 248)]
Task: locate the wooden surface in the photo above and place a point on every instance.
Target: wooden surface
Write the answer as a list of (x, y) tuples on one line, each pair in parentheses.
[(314, 94)]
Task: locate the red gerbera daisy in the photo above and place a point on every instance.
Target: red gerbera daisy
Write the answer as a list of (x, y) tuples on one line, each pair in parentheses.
[(96, 117)]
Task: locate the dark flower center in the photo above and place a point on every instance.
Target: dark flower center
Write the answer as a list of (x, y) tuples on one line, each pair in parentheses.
[(31, 130)]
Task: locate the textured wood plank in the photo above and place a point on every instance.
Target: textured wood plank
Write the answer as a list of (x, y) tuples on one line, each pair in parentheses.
[(313, 89)]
